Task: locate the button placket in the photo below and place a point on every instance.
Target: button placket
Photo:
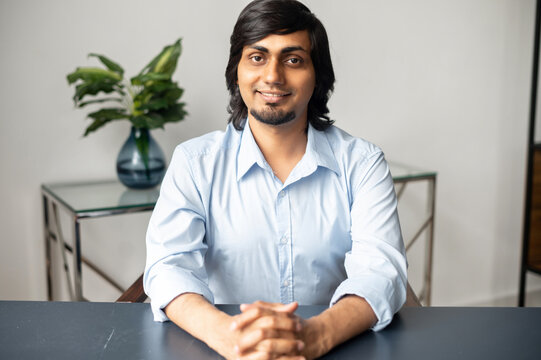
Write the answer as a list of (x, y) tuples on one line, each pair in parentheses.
[(284, 259)]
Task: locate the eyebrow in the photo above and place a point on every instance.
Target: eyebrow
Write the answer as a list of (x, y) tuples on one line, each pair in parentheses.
[(283, 51)]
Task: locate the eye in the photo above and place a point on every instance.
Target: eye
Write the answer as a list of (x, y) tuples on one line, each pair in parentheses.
[(294, 61), (256, 58)]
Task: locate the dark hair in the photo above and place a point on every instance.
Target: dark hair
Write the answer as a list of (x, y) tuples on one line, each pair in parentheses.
[(265, 17)]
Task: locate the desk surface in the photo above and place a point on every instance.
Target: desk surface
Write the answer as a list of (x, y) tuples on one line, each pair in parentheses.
[(56, 330)]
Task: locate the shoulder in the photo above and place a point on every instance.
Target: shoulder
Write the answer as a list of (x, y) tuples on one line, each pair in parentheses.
[(213, 143), (348, 147), (360, 161)]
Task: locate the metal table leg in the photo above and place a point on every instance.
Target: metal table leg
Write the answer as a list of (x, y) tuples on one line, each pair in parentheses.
[(428, 227), (47, 233), (430, 240), (62, 247), (77, 266)]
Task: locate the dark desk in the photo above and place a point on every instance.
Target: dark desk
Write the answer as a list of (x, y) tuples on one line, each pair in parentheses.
[(54, 330)]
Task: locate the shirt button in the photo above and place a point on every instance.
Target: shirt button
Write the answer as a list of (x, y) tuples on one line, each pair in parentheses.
[(284, 240), (282, 194), (286, 283)]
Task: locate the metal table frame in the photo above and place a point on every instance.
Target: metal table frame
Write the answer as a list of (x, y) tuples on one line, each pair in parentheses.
[(53, 231), (427, 226)]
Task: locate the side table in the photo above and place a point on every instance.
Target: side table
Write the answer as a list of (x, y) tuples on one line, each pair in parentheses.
[(84, 200)]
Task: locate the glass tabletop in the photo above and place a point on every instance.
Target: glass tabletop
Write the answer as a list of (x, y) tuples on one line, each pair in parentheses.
[(402, 172), (107, 195)]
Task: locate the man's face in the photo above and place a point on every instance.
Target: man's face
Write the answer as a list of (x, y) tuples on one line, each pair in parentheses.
[(276, 78)]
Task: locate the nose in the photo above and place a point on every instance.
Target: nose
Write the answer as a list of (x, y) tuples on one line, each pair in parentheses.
[(273, 72)]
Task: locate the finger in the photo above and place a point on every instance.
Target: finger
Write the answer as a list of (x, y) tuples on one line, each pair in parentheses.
[(259, 303), (247, 317), (260, 355), (255, 313), (290, 308), (276, 347), (254, 355), (278, 322), (249, 340)]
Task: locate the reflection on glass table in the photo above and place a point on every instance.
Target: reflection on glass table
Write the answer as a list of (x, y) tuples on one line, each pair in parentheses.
[(83, 200)]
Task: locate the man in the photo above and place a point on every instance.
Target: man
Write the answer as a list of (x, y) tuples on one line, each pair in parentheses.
[(281, 209)]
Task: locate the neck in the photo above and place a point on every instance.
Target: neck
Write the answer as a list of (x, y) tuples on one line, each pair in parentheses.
[(283, 146)]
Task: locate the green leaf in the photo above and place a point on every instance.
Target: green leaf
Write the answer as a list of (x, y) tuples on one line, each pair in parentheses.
[(96, 124), (173, 95), (103, 116), (92, 74), (109, 114), (148, 121), (92, 88), (174, 113), (158, 87), (97, 101), (155, 104), (166, 60), (142, 79), (111, 65)]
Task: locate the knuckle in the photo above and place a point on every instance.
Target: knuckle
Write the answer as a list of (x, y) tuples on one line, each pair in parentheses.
[(272, 322), (261, 334), (266, 345)]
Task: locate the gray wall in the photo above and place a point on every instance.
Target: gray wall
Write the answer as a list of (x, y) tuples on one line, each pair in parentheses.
[(440, 84)]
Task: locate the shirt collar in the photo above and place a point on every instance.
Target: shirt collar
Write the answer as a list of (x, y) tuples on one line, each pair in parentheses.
[(318, 153), (249, 153)]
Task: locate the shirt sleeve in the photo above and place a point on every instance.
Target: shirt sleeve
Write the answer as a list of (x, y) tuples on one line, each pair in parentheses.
[(175, 239), (376, 265)]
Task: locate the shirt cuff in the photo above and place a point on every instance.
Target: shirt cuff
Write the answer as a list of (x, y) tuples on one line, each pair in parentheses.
[(165, 287), (385, 299)]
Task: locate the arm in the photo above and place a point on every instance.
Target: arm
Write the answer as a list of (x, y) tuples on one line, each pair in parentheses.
[(197, 316), (349, 317), (376, 264), (175, 241)]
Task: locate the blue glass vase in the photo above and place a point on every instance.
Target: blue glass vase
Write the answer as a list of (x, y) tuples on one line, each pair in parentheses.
[(140, 163)]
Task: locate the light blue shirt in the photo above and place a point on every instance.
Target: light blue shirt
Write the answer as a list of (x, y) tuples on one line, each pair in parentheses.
[(227, 228)]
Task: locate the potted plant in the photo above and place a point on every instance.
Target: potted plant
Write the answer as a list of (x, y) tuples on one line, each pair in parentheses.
[(148, 101)]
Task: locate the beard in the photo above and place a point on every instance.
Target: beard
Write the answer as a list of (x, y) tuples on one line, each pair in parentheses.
[(272, 116)]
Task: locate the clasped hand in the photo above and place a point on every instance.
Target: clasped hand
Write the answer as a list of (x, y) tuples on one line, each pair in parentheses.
[(268, 331)]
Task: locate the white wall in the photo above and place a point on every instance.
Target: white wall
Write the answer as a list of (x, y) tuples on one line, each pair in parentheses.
[(443, 85)]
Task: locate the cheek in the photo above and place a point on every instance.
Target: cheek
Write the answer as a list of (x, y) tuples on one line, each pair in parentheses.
[(309, 83), (242, 83), (308, 88), (244, 78), (244, 89)]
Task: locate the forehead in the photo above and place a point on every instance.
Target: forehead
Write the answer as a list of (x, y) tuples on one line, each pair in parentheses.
[(274, 42)]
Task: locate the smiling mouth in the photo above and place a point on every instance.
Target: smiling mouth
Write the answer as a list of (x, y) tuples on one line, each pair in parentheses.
[(273, 97)]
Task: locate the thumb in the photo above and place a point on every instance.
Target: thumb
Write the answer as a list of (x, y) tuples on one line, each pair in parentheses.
[(287, 308)]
